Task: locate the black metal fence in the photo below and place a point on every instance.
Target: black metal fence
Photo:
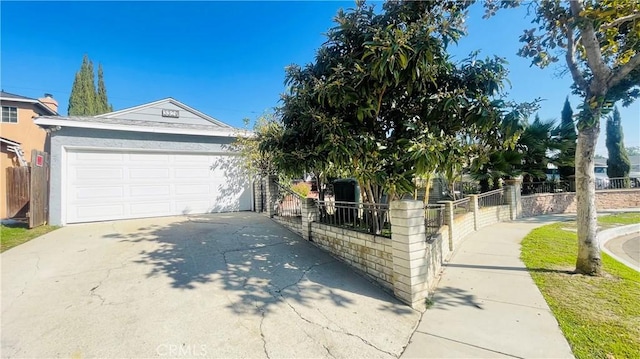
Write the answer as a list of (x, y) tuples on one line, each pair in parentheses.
[(601, 183), (372, 218), (547, 187), (626, 182), (433, 219), (491, 198), (289, 203)]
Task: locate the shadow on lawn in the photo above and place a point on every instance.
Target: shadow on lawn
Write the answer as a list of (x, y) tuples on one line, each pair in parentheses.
[(254, 259)]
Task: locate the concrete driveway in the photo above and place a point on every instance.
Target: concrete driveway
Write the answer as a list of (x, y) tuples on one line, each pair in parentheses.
[(227, 285)]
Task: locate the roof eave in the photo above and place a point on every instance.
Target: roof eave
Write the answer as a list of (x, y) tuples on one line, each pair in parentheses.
[(53, 122)]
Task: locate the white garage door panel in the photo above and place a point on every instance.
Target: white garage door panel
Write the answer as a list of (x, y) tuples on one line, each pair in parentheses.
[(102, 185)]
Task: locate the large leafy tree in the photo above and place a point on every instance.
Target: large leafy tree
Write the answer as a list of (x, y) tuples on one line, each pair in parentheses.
[(618, 164), (600, 43), (85, 100), (383, 102)]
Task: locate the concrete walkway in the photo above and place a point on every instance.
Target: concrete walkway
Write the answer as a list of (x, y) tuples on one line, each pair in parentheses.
[(487, 305)]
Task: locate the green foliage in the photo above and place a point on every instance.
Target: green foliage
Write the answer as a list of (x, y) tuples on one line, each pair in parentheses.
[(383, 103), (85, 100), (618, 164), (102, 103), (301, 188), (254, 160), (534, 144), (600, 42), (565, 140), (528, 157), (598, 315)]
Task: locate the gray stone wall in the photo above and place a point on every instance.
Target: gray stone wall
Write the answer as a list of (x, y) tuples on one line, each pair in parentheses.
[(547, 203)]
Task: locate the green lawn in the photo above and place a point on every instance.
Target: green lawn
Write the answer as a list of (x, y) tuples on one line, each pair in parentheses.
[(620, 218), (16, 234), (600, 316)]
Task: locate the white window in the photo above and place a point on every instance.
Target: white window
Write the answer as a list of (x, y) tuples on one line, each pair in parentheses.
[(9, 114)]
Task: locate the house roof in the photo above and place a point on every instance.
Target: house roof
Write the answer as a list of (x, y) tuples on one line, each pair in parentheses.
[(168, 100), (9, 142), (118, 124), (6, 96)]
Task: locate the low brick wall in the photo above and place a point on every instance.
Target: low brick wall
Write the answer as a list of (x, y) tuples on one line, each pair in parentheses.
[(292, 223), (492, 215), (371, 254), (436, 254), (463, 225), (548, 203)]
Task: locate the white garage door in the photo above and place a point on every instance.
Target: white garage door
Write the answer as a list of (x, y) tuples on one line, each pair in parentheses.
[(107, 185)]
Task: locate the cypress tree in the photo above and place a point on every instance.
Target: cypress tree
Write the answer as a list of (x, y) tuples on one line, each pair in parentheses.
[(103, 105), (618, 164), (85, 100), (567, 137)]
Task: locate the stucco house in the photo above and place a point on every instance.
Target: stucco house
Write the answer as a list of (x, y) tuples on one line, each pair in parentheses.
[(19, 134), (158, 159)]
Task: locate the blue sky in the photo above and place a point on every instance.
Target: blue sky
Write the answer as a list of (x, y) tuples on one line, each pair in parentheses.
[(226, 59)]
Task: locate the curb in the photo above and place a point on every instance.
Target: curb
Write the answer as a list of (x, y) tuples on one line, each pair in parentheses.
[(609, 234)]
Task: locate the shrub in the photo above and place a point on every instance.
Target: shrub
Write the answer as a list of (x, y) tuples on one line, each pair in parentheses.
[(301, 188)]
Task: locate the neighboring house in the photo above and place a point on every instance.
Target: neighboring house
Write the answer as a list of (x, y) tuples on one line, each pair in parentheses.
[(19, 134), (159, 159)]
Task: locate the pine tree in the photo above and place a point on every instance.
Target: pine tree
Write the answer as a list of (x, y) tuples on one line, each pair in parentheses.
[(618, 164), (567, 137), (102, 102), (84, 99)]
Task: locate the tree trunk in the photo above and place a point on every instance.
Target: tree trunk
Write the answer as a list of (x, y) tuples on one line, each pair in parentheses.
[(589, 261)]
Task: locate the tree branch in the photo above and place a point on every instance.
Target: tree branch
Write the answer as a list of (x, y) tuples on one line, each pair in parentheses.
[(577, 75), (622, 71), (600, 70), (621, 20)]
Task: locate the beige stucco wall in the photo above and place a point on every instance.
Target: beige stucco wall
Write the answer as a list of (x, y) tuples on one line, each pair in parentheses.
[(30, 136)]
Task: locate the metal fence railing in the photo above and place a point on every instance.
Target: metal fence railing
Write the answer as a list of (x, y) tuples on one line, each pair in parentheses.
[(289, 203), (621, 182), (433, 219), (372, 218), (491, 198), (547, 187), (461, 206), (601, 183)]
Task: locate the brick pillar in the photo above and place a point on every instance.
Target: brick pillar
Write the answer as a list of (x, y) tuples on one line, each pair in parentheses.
[(409, 253), (271, 187), (514, 197), (473, 207), (309, 215), (448, 220), (257, 195)]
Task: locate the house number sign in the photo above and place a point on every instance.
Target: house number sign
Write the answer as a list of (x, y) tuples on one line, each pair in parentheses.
[(170, 113)]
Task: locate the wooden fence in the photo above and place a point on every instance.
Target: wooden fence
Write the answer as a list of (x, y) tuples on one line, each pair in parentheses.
[(28, 190)]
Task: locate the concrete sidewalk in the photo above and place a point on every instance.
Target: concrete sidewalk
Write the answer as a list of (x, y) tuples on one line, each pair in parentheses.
[(487, 305)]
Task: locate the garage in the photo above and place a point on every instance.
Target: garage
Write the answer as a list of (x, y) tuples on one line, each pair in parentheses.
[(108, 185), (158, 159)]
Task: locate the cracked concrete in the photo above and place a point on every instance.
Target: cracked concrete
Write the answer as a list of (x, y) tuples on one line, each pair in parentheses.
[(227, 285)]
